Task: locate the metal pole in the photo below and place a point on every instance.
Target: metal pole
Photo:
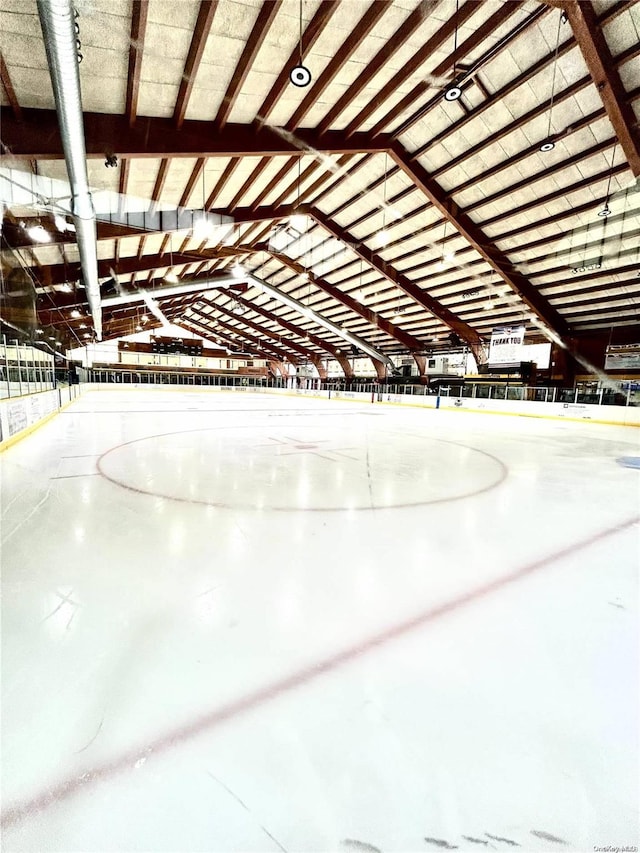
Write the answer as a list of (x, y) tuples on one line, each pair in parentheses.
[(6, 364), (19, 367)]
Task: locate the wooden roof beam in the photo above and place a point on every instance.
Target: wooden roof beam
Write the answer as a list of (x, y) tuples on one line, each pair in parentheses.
[(359, 33), (8, 88), (37, 137), (421, 56), (469, 335), (606, 79), (391, 45), (310, 36), (291, 327), (467, 47), (140, 9), (305, 352), (409, 341), (191, 325), (480, 242), (206, 14), (267, 346), (266, 16)]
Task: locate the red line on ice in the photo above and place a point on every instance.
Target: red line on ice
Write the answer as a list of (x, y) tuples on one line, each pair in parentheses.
[(68, 787)]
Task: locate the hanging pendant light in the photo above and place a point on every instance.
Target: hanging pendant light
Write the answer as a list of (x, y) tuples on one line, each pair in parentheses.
[(606, 210), (300, 75), (454, 92), (549, 144)]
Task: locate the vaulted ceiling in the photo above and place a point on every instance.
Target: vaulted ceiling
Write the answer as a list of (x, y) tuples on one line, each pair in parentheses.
[(367, 195)]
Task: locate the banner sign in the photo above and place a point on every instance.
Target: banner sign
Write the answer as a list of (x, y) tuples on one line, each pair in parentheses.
[(623, 359), (506, 344)]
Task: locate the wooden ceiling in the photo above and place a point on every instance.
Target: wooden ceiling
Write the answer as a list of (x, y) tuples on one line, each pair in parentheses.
[(415, 216)]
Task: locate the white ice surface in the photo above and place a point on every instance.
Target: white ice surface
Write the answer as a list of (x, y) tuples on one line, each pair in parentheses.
[(239, 622)]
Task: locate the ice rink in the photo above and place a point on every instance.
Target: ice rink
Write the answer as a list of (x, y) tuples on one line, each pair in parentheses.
[(247, 622)]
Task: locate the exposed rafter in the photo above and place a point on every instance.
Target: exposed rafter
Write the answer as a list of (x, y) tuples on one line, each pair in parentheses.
[(265, 19), (391, 45), (364, 27), (305, 352), (9, 90), (38, 137), (291, 327), (310, 36), (201, 31), (409, 341), (599, 61), (466, 48), (139, 12), (422, 297), (476, 238), (267, 346)]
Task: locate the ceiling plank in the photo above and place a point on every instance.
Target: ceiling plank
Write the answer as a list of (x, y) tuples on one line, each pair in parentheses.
[(359, 33), (444, 68), (159, 184), (391, 45), (273, 183), (480, 242), (257, 327), (422, 297), (421, 56), (140, 9), (309, 38), (255, 342), (606, 79), (37, 137), (412, 343), (189, 325), (291, 327), (8, 88), (201, 31), (266, 16)]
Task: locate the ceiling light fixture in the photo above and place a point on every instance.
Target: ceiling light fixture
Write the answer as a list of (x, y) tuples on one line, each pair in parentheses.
[(300, 75), (203, 229), (606, 210), (171, 277), (39, 234), (298, 221), (454, 92), (549, 145)]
